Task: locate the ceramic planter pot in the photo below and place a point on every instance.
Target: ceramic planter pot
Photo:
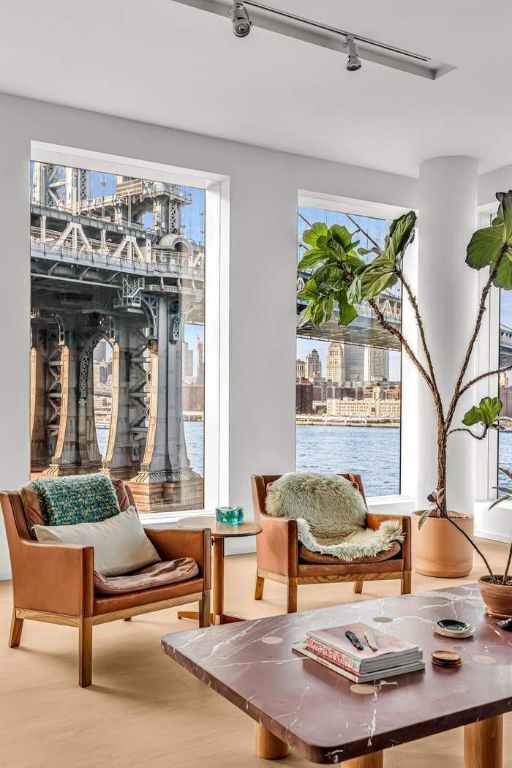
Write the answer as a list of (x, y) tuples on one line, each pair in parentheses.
[(440, 549), (497, 598)]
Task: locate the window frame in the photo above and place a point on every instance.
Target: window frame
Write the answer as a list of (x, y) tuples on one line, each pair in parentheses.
[(216, 325), (405, 500)]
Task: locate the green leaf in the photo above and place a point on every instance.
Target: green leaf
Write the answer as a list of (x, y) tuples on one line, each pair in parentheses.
[(500, 499), (342, 236), (319, 229), (485, 246), (312, 257), (485, 413), (346, 311), (424, 516), (503, 277), (505, 199), (401, 232), (310, 290)]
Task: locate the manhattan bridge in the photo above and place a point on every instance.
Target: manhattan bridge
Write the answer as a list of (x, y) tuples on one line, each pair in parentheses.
[(113, 268)]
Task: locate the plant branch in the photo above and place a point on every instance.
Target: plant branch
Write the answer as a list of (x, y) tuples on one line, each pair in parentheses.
[(419, 320), (403, 341), (465, 429), (477, 549), (507, 567), (478, 324), (481, 376)]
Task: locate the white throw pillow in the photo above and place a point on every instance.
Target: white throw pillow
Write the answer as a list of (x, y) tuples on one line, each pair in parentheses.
[(120, 542)]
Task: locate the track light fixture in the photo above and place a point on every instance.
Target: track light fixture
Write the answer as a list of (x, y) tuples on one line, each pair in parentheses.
[(241, 21), (353, 61)]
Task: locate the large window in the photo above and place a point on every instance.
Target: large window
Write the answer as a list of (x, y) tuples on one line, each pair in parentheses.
[(348, 382), (118, 372), (505, 384)]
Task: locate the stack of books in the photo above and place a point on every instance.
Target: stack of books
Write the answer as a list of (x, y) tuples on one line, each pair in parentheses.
[(380, 655)]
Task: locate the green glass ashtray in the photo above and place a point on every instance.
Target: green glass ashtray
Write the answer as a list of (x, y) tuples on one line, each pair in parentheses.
[(229, 515)]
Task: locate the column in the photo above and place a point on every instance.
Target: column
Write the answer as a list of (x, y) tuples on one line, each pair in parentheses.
[(448, 297)]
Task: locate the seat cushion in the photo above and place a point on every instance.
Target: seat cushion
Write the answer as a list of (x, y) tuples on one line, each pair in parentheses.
[(34, 510), (156, 575), (308, 556), (120, 542), (109, 603)]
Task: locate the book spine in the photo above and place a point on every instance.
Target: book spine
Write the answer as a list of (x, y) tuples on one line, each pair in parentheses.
[(336, 657)]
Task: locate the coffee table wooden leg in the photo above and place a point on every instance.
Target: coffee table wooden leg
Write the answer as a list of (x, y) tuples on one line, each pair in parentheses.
[(268, 746), (483, 743), (218, 576), (375, 760)]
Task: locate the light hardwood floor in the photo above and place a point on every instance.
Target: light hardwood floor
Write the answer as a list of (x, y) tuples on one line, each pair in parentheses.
[(143, 711)]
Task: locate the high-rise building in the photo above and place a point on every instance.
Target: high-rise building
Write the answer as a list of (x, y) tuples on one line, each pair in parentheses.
[(354, 362), (313, 365), (300, 369), (376, 364), (336, 363), (200, 362), (304, 397), (188, 361)]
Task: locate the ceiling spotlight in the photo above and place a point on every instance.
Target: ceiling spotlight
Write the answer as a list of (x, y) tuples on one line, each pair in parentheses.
[(241, 22), (353, 61)]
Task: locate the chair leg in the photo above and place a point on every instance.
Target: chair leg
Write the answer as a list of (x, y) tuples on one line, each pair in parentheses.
[(258, 589), (85, 653), (16, 630), (204, 610), (291, 601), (358, 587), (406, 583), (128, 618)]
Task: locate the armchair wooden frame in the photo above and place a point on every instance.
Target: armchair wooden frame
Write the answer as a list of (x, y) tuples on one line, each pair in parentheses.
[(54, 583), (277, 549)]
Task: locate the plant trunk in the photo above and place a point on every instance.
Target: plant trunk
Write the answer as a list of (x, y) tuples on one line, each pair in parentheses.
[(442, 438)]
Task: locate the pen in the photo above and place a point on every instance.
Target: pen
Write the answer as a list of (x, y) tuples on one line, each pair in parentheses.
[(354, 640), (372, 643)]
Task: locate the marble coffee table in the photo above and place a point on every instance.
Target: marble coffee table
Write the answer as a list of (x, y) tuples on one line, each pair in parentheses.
[(300, 705)]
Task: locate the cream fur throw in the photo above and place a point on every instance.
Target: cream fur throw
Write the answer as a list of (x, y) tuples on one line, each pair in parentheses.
[(330, 514)]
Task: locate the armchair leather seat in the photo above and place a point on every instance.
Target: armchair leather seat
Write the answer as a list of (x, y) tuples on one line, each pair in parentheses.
[(281, 557), (113, 603), (55, 582), (308, 556)]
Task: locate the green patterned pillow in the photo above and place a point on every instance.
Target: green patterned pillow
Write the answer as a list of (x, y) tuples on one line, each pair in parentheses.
[(76, 499)]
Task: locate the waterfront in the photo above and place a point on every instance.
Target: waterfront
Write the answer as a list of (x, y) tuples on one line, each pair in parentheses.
[(373, 452)]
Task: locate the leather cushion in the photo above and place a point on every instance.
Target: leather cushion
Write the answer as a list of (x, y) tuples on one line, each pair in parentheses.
[(308, 556), (156, 575), (34, 513)]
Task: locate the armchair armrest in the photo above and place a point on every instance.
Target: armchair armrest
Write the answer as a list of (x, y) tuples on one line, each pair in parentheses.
[(56, 578), (374, 520), (172, 543), (277, 546)]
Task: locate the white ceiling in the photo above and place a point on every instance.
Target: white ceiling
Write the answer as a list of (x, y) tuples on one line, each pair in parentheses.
[(164, 63)]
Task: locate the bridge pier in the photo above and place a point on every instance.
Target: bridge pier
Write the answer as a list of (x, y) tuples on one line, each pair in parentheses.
[(118, 461), (165, 479), (38, 439)]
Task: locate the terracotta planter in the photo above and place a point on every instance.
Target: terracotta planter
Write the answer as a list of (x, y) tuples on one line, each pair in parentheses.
[(497, 598), (440, 549)]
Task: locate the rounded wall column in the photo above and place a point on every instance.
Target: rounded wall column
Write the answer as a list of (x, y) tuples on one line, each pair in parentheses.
[(448, 297)]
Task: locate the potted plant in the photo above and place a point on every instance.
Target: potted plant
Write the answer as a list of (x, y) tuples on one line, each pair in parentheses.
[(343, 275)]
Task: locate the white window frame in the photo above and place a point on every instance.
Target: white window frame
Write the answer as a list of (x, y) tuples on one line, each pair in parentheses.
[(403, 502), (217, 222)]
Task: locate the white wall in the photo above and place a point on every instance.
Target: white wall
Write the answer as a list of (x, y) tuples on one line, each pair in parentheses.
[(264, 186)]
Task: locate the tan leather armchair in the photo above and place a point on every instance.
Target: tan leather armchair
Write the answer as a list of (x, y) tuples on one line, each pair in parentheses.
[(279, 552), (54, 582)]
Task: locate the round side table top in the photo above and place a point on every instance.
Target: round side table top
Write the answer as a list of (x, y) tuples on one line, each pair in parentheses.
[(219, 530)]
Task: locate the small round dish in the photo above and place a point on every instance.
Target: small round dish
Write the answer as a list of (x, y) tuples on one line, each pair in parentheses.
[(453, 628)]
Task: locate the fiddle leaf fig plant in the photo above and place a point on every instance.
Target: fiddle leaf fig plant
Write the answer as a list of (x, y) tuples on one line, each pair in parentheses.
[(344, 275)]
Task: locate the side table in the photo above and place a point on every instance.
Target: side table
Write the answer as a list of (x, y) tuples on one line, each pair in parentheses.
[(220, 531)]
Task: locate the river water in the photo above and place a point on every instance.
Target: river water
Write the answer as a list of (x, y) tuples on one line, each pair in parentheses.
[(373, 452)]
